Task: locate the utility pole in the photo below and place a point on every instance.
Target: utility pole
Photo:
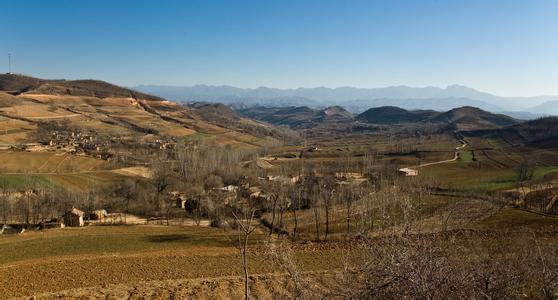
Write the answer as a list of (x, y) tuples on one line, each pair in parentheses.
[(9, 63)]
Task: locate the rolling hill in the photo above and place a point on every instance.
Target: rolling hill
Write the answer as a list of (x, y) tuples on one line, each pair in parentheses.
[(471, 118), (111, 110), (303, 117), (540, 133), (394, 115), (16, 84), (462, 118), (298, 117)]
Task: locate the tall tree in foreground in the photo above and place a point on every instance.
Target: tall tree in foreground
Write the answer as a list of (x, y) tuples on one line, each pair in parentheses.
[(243, 215)]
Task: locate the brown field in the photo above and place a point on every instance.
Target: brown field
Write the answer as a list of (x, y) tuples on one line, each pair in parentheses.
[(464, 205), (47, 162), (164, 261), (104, 256), (110, 116)]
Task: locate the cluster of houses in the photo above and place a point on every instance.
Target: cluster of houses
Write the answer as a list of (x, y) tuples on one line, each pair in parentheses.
[(77, 142), (256, 192), (77, 218), (85, 143), (72, 218), (164, 144)]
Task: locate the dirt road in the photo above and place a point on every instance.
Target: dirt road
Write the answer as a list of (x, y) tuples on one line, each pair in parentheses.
[(54, 117), (413, 171)]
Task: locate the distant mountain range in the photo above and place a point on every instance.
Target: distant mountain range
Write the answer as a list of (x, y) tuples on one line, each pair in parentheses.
[(358, 100)]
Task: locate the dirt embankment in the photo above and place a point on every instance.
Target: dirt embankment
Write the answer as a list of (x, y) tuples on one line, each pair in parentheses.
[(263, 286)]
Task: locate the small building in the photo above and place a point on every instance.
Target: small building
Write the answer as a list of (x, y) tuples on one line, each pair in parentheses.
[(99, 214), (12, 229), (229, 188), (74, 218), (181, 202), (408, 172), (179, 198)]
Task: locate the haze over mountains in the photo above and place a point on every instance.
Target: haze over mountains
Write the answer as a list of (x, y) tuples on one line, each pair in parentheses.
[(357, 100)]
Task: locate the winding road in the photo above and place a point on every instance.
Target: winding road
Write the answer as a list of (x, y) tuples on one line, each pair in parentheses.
[(413, 171)]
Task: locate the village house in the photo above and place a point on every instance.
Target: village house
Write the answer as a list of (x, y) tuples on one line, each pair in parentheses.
[(181, 202), (180, 199), (229, 188), (74, 218)]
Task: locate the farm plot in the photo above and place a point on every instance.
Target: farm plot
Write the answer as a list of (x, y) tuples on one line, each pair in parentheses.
[(47, 162), (102, 255)]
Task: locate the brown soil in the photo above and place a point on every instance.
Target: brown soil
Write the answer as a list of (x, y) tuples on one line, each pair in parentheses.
[(158, 274), (262, 286)]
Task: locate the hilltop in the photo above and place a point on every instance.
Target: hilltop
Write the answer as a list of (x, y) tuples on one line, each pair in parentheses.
[(394, 115), (470, 118), (298, 117), (16, 84), (539, 133), (303, 117), (107, 109), (462, 118)]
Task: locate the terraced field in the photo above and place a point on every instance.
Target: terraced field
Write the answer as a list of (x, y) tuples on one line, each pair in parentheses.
[(22, 169), (47, 162), (491, 165)]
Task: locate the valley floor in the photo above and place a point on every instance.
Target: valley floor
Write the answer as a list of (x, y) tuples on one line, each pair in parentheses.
[(154, 261), (140, 260)]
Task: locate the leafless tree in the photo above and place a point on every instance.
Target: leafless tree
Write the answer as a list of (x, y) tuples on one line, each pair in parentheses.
[(244, 219)]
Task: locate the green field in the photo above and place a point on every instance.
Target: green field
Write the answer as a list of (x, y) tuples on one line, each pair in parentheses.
[(21, 181), (71, 181), (465, 156), (541, 172)]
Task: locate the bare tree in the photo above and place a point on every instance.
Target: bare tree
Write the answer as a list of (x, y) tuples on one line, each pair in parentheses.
[(245, 226)]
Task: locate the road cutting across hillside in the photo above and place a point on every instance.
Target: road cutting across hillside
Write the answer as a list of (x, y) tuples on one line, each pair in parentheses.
[(413, 171)]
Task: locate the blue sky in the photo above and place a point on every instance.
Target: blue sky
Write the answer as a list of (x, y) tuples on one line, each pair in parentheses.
[(507, 47)]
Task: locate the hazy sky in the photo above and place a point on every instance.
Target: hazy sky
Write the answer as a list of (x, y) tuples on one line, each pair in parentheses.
[(507, 47)]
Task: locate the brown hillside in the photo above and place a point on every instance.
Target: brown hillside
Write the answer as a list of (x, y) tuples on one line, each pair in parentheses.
[(110, 110), (18, 84)]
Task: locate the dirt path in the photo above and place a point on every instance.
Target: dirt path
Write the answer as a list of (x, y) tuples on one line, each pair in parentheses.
[(54, 117), (413, 171), (130, 171)]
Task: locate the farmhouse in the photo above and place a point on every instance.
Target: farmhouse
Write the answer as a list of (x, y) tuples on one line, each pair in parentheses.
[(408, 172), (181, 201), (229, 188), (74, 218)]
